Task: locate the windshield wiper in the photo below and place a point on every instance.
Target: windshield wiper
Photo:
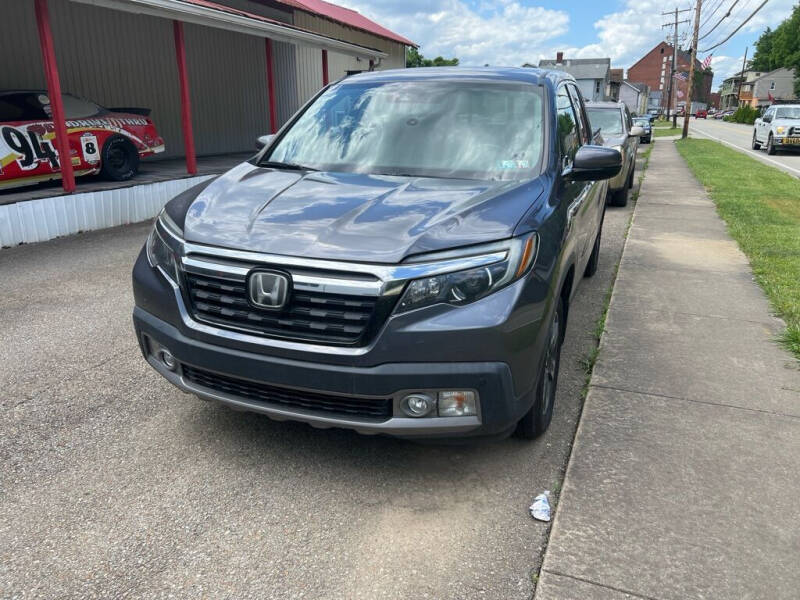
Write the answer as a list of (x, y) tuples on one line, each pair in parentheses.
[(286, 165)]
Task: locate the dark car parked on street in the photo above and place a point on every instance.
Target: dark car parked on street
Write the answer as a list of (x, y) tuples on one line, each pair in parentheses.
[(400, 258), (619, 132), (647, 129)]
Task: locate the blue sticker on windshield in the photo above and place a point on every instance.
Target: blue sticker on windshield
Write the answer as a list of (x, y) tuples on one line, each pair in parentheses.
[(515, 164)]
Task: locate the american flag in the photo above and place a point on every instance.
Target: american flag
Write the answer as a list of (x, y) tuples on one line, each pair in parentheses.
[(682, 75), (707, 61)]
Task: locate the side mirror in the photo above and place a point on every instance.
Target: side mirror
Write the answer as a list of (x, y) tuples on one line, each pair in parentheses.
[(637, 131), (595, 162), (263, 141)]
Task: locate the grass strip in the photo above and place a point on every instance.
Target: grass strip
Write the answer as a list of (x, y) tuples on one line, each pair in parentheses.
[(761, 206)]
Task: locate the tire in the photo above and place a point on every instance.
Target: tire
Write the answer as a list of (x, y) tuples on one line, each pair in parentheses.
[(618, 197), (119, 159), (538, 418), (630, 176), (756, 144), (770, 146), (594, 257)]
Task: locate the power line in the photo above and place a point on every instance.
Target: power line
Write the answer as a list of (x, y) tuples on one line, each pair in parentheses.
[(722, 18), (711, 14), (752, 14)]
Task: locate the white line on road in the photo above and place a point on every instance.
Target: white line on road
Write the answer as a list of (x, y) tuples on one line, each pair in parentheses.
[(759, 156)]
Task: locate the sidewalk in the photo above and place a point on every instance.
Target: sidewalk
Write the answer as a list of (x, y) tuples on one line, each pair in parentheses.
[(684, 479)]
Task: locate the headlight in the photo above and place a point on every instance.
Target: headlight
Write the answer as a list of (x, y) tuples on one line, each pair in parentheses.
[(463, 287), (780, 129), (160, 255)]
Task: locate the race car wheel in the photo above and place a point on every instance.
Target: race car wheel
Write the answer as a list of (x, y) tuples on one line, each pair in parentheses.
[(119, 159)]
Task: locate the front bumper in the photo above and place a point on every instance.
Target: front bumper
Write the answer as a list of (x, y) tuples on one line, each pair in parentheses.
[(497, 411), (492, 346)]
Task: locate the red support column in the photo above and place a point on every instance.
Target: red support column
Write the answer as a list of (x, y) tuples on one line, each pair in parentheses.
[(324, 68), (273, 114), (54, 92), (186, 106)]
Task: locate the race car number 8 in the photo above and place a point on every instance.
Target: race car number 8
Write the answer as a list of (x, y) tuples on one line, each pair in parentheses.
[(89, 146)]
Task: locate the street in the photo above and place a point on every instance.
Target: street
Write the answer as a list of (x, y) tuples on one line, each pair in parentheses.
[(740, 136), (115, 484)]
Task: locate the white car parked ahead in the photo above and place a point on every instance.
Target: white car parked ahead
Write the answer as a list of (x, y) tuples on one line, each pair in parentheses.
[(778, 128)]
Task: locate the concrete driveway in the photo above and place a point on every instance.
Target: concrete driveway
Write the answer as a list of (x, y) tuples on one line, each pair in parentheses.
[(740, 137), (114, 484)]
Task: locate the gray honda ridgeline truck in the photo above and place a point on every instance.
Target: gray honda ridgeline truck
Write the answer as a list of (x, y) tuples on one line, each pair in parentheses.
[(399, 258)]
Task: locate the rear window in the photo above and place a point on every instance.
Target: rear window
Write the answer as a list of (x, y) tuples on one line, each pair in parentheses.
[(609, 120), (23, 106)]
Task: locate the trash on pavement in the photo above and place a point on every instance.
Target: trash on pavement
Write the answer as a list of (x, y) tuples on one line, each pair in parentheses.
[(540, 509)]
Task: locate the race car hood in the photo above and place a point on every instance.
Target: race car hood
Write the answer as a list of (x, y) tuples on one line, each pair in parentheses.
[(350, 216)]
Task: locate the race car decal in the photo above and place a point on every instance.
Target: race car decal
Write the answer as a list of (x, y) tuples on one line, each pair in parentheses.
[(27, 147), (91, 153)]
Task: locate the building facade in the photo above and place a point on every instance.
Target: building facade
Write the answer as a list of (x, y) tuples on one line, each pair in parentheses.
[(760, 90), (655, 70), (634, 96), (593, 75), (117, 56)]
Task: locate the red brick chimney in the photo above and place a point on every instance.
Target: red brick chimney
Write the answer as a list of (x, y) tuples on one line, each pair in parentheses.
[(559, 57)]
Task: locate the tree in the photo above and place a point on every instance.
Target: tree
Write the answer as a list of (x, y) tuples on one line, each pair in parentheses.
[(699, 87), (762, 56), (415, 59), (780, 48)]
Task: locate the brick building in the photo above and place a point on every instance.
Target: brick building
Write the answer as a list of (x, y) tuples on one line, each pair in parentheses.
[(655, 69)]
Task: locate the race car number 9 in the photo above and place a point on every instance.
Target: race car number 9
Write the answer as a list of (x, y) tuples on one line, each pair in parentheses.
[(28, 148), (91, 153)]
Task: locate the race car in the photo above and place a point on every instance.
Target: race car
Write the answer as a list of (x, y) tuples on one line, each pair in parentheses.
[(109, 141)]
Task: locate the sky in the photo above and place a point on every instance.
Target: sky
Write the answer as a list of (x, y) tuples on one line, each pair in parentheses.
[(513, 32)]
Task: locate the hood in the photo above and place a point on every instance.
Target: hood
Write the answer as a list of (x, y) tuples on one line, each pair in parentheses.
[(350, 216), (786, 123), (614, 140)]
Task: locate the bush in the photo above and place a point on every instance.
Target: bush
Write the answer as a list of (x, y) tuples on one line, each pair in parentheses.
[(744, 114)]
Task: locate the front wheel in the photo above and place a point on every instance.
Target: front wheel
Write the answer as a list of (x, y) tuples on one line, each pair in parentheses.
[(770, 146), (594, 257), (756, 145), (619, 197), (119, 159), (538, 418)]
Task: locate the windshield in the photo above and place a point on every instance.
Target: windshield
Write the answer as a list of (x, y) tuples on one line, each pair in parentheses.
[(609, 120), (473, 130), (788, 112)]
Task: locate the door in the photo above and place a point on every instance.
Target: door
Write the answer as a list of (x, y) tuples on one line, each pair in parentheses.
[(574, 195), (596, 203), (27, 152), (763, 127)]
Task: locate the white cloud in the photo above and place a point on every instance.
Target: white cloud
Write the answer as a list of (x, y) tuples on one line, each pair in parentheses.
[(508, 32), (503, 33)]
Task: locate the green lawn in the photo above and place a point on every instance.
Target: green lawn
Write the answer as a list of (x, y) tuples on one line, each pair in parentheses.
[(761, 206), (667, 129)]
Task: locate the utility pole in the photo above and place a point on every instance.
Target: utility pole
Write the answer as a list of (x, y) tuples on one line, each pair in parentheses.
[(675, 23), (692, 60), (741, 81)]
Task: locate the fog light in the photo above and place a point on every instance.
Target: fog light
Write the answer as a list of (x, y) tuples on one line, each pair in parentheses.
[(457, 404), (168, 360), (417, 405)]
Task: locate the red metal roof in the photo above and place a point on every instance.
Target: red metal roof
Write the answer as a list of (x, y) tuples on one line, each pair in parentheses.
[(347, 16), (325, 9)]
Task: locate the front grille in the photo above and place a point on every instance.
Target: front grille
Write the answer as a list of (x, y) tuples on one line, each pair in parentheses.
[(308, 316), (374, 408), (794, 131)]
